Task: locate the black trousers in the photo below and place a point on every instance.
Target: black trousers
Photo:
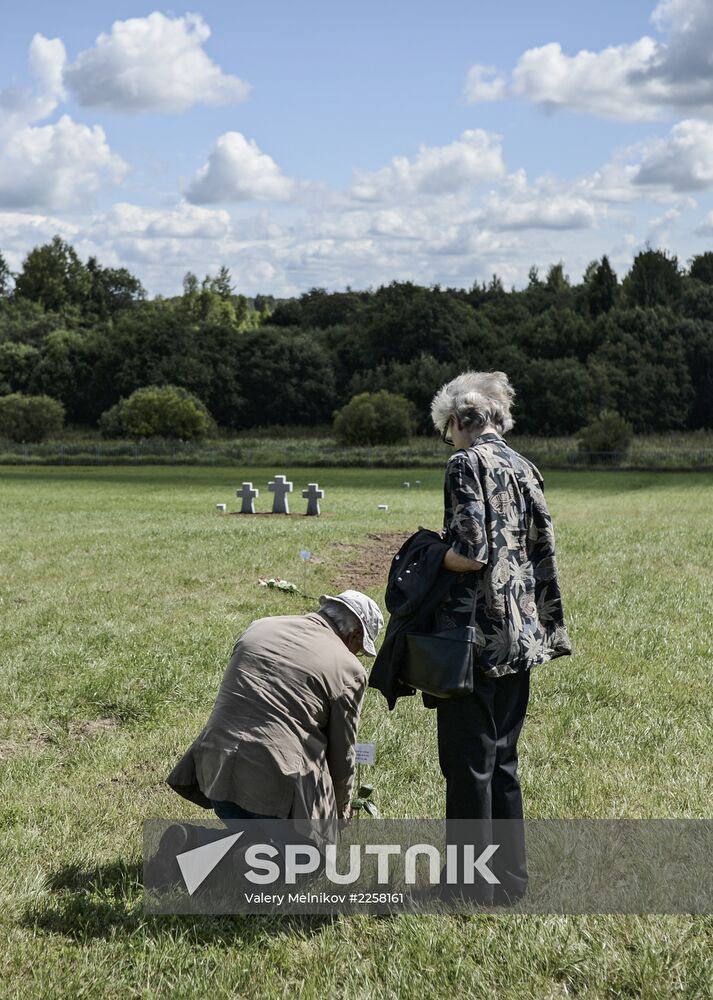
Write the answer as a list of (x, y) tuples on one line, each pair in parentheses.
[(477, 747)]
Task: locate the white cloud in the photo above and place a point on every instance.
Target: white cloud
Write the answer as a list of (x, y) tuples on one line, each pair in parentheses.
[(23, 230), (56, 166), (155, 63), (190, 222), (20, 106), (546, 204), (436, 170), (660, 227), (612, 83), (237, 170), (47, 61), (484, 83), (612, 183), (184, 222), (683, 161), (643, 80), (705, 228)]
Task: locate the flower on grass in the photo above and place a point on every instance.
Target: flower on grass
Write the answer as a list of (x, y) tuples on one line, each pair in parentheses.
[(277, 584)]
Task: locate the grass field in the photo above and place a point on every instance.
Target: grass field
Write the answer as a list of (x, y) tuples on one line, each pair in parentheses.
[(121, 594)]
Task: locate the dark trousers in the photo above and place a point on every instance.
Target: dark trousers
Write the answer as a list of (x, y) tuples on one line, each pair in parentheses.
[(231, 810), (477, 748)]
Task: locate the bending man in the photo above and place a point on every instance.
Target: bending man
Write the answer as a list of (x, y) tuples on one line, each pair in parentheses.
[(280, 740)]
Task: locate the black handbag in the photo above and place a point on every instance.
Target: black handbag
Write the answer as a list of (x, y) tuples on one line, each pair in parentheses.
[(442, 663)]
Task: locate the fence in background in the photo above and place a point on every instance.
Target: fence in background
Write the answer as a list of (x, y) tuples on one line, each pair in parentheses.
[(270, 453)]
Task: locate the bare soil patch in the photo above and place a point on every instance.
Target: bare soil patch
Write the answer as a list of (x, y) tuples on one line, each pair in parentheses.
[(35, 743), (91, 727), (266, 513), (365, 565)]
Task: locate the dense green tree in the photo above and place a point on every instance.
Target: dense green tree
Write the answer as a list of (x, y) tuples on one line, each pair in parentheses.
[(284, 377), (701, 268), (319, 309), (27, 322), (17, 364), (601, 288), (697, 300), (557, 333), (6, 278), (403, 320), (533, 278), (212, 302), (589, 272), (191, 285), (555, 396), (54, 276), (641, 370), (416, 380), (61, 369), (655, 279), (557, 281), (222, 284), (697, 339), (88, 336), (508, 311), (111, 290)]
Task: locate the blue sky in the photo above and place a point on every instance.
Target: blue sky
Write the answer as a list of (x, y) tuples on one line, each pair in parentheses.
[(332, 144)]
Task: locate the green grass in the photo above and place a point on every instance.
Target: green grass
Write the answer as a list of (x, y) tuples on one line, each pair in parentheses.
[(121, 593)]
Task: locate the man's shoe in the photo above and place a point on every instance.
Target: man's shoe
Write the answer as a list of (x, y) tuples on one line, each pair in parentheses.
[(162, 870)]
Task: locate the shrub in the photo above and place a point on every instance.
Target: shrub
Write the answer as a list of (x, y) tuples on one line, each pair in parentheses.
[(111, 423), (159, 411), (607, 433), (30, 418), (374, 418)]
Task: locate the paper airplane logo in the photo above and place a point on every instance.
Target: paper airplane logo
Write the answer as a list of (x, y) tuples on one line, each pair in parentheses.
[(196, 865)]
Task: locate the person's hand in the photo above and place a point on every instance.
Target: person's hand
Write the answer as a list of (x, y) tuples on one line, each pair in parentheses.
[(460, 564), (346, 819)]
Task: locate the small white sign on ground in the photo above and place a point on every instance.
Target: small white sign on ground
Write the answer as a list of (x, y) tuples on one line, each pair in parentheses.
[(365, 753)]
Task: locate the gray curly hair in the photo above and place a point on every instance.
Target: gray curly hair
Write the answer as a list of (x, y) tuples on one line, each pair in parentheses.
[(476, 399)]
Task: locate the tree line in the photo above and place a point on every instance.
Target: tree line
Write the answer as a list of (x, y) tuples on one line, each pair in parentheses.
[(640, 345)]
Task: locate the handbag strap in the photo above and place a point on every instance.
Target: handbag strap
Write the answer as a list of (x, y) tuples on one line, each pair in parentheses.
[(474, 608)]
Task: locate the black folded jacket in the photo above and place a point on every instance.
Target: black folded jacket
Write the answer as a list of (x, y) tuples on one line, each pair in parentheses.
[(416, 586)]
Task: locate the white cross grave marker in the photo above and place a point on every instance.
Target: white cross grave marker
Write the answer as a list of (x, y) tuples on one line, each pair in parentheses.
[(247, 494), (313, 494), (280, 487)]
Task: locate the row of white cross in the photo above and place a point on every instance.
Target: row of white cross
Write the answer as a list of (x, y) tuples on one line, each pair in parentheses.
[(280, 505)]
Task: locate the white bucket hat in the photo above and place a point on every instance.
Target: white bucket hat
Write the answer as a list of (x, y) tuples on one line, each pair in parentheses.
[(366, 610)]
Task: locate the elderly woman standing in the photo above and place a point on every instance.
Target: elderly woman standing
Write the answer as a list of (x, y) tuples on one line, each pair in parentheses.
[(502, 547)]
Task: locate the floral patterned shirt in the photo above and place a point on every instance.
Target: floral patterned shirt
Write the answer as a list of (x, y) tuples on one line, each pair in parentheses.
[(495, 512)]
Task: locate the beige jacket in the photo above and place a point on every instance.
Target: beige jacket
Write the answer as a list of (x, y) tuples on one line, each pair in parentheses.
[(280, 739)]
